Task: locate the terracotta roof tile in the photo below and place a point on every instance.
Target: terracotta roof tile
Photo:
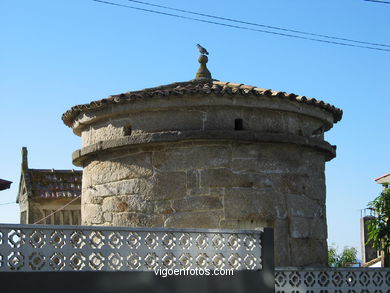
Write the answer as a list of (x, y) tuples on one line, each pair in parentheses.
[(46, 183), (203, 87), (5, 184)]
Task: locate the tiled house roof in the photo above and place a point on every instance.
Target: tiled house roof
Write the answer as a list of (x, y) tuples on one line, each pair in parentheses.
[(46, 183), (4, 184), (55, 183), (198, 87), (383, 179)]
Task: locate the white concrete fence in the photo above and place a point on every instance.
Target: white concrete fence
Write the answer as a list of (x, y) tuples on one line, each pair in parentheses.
[(44, 248), (332, 280), (28, 248)]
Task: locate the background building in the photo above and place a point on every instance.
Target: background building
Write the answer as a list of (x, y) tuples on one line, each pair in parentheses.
[(48, 196), (4, 184), (371, 257)]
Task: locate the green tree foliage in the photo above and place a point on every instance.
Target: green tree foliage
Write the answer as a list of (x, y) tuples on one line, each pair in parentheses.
[(379, 227), (346, 259)]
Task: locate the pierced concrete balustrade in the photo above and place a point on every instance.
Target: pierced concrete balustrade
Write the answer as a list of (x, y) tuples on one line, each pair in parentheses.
[(27, 248), (332, 280)]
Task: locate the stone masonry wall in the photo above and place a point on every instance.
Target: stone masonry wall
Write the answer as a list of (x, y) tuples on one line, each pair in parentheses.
[(201, 118), (210, 184)]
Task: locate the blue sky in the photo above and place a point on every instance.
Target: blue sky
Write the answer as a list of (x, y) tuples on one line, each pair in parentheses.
[(56, 54)]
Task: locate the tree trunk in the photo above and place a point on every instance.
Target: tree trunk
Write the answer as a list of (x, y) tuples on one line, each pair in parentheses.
[(386, 258)]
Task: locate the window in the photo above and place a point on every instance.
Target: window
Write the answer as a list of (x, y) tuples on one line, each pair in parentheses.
[(127, 130), (238, 124)]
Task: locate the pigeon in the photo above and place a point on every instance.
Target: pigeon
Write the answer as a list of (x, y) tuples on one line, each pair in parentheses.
[(202, 50)]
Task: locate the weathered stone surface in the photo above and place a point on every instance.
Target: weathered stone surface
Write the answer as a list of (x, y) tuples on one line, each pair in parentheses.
[(281, 238), (204, 219), (246, 203), (168, 185), (308, 228), (163, 207), (137, 220), (91, 214), (126, 187), (192, 179), (183, 159), (225, 178), (264, 120), (315, 187), (127, 203), (244, 165), (301, 206), (308, 252), (198, 191), (290, 183), (89, 197), (107, 217), (244, 224), (128, 167), (245, 151), (103, 132), (197, 203)]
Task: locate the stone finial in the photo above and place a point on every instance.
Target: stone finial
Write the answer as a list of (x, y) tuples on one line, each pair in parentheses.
[(24, 159), (203, 72)]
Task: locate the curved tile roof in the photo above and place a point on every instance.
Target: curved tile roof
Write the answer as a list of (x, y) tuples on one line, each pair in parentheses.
[(50, 183), (202, 87)]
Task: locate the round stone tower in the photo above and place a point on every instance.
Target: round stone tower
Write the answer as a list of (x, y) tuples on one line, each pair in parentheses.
[(209, 154)]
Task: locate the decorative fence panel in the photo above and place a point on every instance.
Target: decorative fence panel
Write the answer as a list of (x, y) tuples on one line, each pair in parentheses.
[(27, 248), (340, 280)]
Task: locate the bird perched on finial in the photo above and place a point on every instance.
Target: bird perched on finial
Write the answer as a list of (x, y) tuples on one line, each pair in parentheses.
[(202, 50)]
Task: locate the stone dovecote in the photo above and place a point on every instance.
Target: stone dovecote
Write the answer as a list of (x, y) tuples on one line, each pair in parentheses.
[(209, 154)]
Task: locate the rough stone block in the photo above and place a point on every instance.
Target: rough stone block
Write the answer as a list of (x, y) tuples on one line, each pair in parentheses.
[(244, 224), (137, 220), (246, 203), (125, 187), (225, 178), (282, 257), (290, 183), (244, 165), (308, 252), (127, 203), (132, 166), (104, 132), (245, 151), (264, 120), (107, 216), (308, 228), (217, 191), (301, 206), (199, 191), (168, 185), (204, 219), (91, 198), (91, 214), (192, 179), (197, 203), (182, 159), (315, 187), (163, 207)]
